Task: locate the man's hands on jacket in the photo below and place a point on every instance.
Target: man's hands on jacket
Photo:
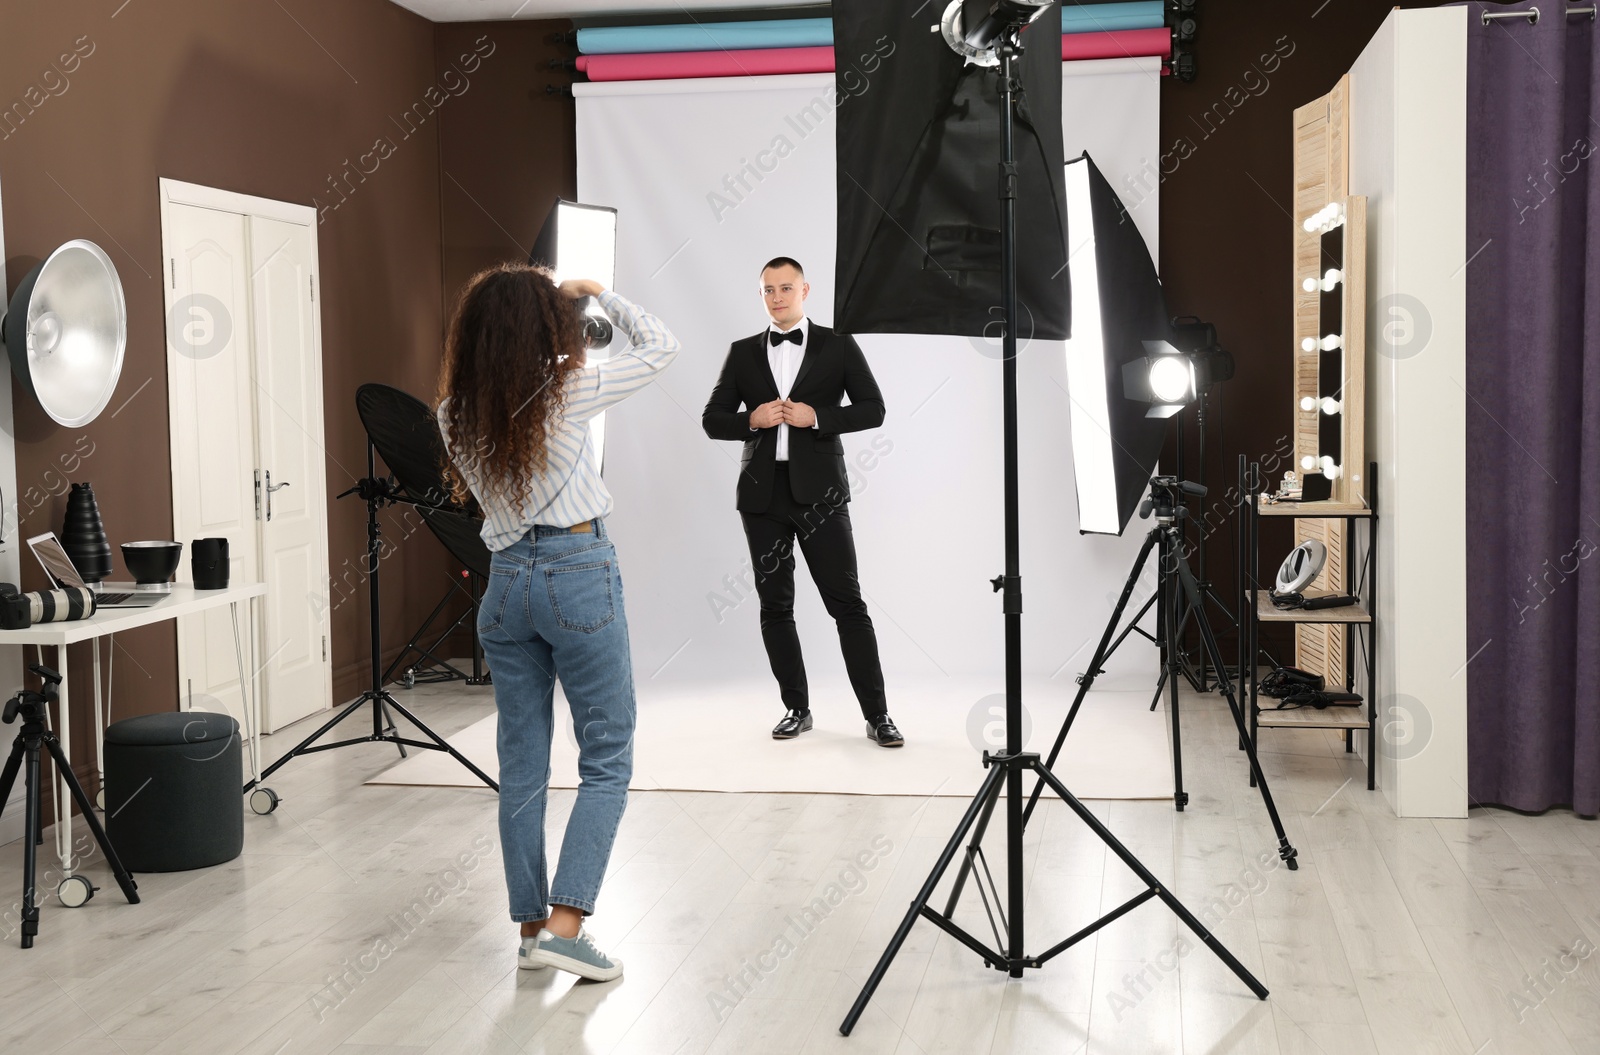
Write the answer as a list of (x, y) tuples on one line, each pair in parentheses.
[(783, 412)]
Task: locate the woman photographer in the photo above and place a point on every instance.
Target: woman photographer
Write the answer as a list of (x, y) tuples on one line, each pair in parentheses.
[(516, 399)]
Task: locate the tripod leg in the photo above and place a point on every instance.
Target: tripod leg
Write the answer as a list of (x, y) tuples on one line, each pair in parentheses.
[(1225, 685), (1138, 868), (967, 858), (31, 831), (8, 777), (1171, 594), (308, 741), (443, 744), (993, 785), (391, 728), (411, 646), (124, 880), (1101, 652), (1161, 686)]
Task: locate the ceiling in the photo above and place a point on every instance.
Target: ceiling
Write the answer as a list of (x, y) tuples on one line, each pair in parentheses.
[(498, 10)]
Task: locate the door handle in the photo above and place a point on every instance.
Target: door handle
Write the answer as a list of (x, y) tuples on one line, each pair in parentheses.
[(271, 487)]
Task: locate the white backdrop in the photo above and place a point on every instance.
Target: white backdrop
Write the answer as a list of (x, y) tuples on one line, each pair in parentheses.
[(711, 178)]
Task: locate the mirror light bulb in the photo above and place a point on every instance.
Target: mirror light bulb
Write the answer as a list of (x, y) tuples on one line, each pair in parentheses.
[(1331, 280), (1309, 344), (1308, 402), (1329, 405), (1308, 463), (1332, 343), (1309, 285)]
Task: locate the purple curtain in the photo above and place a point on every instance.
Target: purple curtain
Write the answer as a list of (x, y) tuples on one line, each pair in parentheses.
[(1533, 411)]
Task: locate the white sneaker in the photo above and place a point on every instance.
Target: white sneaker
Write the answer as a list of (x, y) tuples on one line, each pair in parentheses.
[(523, 953), (578, 955)]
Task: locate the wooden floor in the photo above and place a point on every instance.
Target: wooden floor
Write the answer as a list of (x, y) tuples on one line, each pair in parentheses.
[(354, 923)]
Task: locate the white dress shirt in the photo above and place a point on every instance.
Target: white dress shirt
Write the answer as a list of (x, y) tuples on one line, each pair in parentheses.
[(785, 359)]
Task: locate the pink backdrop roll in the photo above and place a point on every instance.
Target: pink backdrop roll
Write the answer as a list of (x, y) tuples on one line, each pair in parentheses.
[(1120, 44), (686, 64), (758, 62)]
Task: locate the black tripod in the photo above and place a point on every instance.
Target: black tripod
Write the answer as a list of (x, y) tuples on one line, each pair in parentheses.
[(1015, 762), (34, 735), (376, 491), (1176, 584)]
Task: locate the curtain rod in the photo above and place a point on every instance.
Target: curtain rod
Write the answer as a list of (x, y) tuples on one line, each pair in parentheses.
[(1532, 14)]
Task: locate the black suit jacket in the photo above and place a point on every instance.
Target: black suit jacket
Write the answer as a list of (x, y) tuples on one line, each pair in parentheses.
[(833, 367)]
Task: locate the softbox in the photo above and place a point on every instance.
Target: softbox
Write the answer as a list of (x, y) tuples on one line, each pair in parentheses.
[(1118, 305), (918, 143)]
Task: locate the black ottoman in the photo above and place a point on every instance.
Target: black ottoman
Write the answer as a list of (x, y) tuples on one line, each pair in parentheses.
[(173, 787)]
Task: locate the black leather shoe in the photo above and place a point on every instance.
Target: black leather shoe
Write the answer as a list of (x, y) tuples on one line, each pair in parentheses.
[(794, 723), (882, 732)]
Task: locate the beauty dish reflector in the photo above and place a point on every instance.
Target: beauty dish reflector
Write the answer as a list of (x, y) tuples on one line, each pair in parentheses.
[(974, 28), (66, 331)]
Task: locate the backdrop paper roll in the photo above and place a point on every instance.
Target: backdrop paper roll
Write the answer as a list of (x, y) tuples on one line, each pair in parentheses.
[(59, 606), (718, 36), (692, 64), (1106, 18), (1123, 44)]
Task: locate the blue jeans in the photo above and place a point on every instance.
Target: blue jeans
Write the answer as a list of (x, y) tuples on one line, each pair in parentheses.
[(553, 608)]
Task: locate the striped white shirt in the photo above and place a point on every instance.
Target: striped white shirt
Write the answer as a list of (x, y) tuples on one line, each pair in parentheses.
[(570, 490)]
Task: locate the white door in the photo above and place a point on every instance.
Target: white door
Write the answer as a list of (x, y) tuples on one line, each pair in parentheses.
[(212, 431), (245, 388), (297, 678)]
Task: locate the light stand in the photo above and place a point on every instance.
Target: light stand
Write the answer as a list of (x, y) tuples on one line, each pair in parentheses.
[(34, 736), (1006, 770), (376, 491), (434, 668), (1177, 585)]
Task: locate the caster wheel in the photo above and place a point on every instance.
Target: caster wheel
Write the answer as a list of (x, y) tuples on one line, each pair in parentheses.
[(409, 678), (75, 891), (100, 800), (263, 801)]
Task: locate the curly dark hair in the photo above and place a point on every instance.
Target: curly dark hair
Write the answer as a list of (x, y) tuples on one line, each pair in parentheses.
[(513, 339)]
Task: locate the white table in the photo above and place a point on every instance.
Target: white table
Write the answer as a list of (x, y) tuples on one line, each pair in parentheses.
[(184, 599)]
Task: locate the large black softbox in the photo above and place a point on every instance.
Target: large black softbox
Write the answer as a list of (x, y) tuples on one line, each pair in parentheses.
[(918, 179)]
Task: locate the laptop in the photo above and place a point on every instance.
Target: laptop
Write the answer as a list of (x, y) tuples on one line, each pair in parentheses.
[(59, 567)]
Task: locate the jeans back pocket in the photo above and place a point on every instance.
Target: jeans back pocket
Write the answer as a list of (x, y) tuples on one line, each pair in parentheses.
[(502, 584), (581, 596)]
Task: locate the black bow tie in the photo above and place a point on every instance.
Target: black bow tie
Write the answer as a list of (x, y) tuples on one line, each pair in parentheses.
[(775, 338)]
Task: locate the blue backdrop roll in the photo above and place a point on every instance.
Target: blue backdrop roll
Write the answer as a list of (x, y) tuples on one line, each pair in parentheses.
[(714, 36), (1107, 18)]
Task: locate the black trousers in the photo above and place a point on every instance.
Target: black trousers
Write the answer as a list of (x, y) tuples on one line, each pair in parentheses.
[(829, 547)]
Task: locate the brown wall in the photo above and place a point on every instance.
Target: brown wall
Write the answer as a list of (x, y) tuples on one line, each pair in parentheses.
[(507, 149), (265, 99), (506, 152), (1226, 239)]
